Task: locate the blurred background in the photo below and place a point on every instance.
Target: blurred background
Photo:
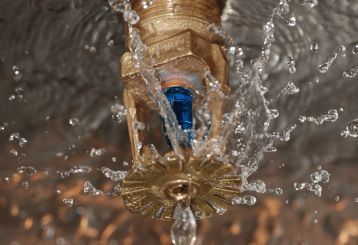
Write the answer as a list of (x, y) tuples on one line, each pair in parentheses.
[(59, 90)]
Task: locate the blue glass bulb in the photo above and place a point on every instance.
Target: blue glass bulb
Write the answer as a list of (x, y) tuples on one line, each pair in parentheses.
[(181, 101)]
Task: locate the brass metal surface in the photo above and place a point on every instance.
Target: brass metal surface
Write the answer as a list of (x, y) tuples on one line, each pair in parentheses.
[(176, 33), (155, 191), (164, 18), (178, 40)]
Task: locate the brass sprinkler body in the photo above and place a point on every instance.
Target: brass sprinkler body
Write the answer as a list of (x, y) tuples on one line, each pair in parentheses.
[(176, 33)]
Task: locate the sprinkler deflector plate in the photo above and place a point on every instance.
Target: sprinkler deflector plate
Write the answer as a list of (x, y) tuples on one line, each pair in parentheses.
[(155, 191)]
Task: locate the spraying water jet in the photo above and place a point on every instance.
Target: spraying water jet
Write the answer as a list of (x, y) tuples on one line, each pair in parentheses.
[(182, 52)]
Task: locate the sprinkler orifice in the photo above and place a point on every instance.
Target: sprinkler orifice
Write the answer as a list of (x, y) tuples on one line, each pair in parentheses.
[(181, 50)]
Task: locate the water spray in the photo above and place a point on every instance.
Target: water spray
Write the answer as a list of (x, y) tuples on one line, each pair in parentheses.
[(182, 52)]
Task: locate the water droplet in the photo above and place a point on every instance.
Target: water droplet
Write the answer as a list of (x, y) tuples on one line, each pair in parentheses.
[(139, 125), (119, 5), (262, 89), (22, 142), (240, 129), (314, 47), (14, 152), (309, 3), (19, 90), (352, 129), (351, 72), (355, 49), (146, 4), (320, 176), (139, 146), (228, 40), (341, 49), (14, 136), (72, 147), (17, 75), (131, 17), (220, 211), (316, 188), (29, 170), (118, 112), (231, 51), (323, 68), (75, 170), (269, 27), (291, 21), (278, 191), (74, 121), (245, 200), (61, 241), (337, 198), (284, 7), (110, 43), (331, 116), (284, 135), (183, 231), (25, 185), (302, 119), (12, 97), (233, 56), (114, 175), (256, 185), (90, 190), (97, 152), (92, 49), (270, 148), (214, 84), (274, 114), (291, 64), (59, 154), (3, 126), (299, 186), (68, 201), (290, 89)]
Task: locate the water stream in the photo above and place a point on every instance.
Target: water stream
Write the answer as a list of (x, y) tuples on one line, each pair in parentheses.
[(246, 125)]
